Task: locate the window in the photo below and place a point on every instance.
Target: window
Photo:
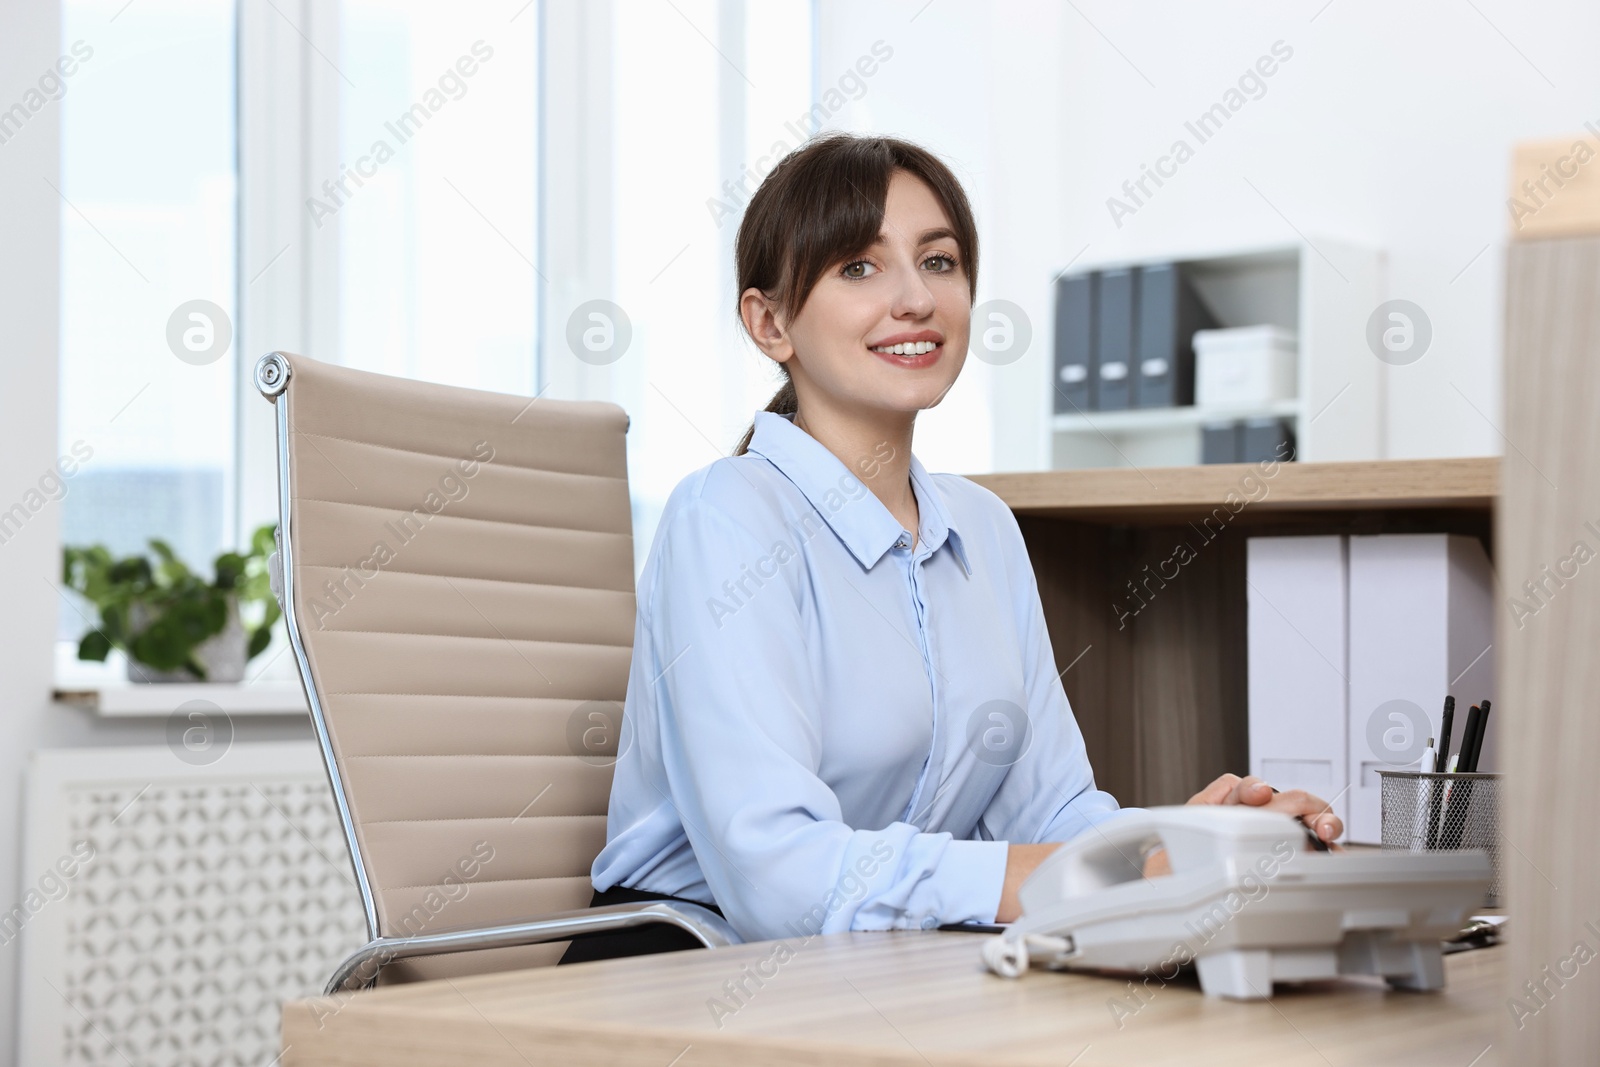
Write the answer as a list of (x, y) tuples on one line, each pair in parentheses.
[(403, 237), (148, 253), (437, 193), (721, 91)]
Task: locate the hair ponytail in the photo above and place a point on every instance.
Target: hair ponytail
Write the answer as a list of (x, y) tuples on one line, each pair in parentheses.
[(783, 402)]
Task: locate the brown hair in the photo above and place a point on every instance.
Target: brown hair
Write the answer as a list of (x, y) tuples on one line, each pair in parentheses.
[(823, 203)]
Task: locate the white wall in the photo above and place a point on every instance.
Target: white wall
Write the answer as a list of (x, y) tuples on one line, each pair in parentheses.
[(1391, 124), (972, 82), (29, 270)]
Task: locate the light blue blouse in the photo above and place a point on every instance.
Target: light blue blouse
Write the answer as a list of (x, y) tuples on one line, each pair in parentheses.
[(826, 729)]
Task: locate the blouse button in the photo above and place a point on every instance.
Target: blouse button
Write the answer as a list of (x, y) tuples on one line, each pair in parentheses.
[(900, 543)]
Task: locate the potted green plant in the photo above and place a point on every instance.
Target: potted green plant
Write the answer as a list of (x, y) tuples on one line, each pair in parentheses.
[(173, 624)]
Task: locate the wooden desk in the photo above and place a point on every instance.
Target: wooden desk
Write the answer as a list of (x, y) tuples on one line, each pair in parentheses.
[(1150, 637), (882, 999), (1182, 494)]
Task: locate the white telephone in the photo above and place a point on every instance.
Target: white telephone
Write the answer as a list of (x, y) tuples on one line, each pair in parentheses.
[(1247, 900)]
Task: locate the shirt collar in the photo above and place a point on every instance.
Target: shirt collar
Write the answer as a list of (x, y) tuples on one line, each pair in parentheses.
[(858, 517)]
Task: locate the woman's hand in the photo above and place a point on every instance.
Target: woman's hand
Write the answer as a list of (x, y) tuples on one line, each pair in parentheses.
[(1020, 862), (1315, 812), (1312, 810)]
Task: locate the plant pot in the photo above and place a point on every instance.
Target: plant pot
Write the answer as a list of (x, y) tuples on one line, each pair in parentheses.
[(223, 655)]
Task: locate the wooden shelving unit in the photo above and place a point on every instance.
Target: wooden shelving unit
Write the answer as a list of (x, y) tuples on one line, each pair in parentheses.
[(1158, 685)]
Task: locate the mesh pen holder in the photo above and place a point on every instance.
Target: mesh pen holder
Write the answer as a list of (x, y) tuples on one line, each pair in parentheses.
[(1425, 812)]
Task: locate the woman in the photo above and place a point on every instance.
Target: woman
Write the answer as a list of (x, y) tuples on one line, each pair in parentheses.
[(844, 711)]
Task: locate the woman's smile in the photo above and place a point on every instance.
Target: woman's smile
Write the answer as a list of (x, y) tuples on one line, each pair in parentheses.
[(910, 350)]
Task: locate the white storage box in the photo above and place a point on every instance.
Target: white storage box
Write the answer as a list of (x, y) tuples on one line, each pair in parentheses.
[(1244, 366)]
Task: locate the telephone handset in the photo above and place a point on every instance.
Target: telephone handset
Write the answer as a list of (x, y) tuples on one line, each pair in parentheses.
[(1247, 901)]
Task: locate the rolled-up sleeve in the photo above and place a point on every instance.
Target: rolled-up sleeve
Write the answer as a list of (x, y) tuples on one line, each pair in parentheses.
[(739, 729), (1049, 793)]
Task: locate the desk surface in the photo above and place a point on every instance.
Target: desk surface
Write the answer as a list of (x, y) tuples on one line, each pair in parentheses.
[(882, 999)]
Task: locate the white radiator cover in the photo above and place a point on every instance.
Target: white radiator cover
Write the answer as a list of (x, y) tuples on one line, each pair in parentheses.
[(167, 911)]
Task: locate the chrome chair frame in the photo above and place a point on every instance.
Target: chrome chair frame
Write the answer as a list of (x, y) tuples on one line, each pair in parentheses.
[(360, 969)]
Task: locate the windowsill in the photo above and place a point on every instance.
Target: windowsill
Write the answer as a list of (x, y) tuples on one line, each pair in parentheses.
[(103, 688), (128, 699)]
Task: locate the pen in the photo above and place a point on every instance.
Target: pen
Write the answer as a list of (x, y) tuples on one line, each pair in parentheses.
[(1477, 741), (1316, 839), (1467, 760), (1445, 786), (1422, 822), (1471, 750), (1441, 762), (1443, 757), (1455, 809)]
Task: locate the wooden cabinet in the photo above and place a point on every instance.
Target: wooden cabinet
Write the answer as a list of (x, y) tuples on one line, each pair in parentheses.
[(1142, 578)]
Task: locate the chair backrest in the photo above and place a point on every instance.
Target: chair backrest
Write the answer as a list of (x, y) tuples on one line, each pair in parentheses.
[(458, 569)]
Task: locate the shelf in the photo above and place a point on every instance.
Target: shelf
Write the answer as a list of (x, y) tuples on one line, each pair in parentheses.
[(130, 699), (1323, 293), (1145, 420), (1185, 493)]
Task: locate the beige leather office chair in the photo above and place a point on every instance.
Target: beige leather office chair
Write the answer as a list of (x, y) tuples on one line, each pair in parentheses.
[(457, 580)]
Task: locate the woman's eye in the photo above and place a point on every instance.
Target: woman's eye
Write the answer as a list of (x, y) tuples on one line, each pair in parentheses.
[(858, 268), (849, 268)]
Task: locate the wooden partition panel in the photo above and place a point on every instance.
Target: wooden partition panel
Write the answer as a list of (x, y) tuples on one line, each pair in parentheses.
[(1154, 668), (1551, 663), (1189, 681), (1074, 563)]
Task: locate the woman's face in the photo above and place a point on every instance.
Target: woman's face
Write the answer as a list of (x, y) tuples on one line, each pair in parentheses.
[(909, 287)]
